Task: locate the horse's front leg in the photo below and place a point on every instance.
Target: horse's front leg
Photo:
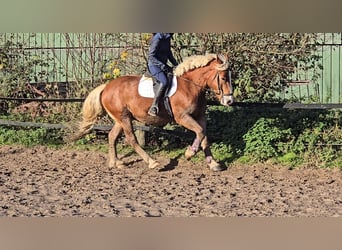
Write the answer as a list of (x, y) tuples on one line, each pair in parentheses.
[(211, 162), (190, 123), (199, 127), (193, 149)]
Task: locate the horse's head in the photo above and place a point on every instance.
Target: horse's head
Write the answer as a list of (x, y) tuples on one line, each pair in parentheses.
[(221, 83), (211, 71)]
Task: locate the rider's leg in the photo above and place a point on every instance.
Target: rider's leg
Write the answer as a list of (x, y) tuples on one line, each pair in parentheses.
[(159, 90), (159, 93)]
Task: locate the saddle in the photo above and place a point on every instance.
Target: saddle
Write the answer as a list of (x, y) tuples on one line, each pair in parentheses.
[(148, 84)]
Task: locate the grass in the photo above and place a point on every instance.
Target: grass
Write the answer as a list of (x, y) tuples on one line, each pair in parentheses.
[(326, 157)]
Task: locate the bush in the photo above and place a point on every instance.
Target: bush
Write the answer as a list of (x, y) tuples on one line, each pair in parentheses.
[(266, 139), (30, 137), (294, 137)]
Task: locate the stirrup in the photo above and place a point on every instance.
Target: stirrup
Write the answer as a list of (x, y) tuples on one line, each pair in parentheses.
[(153, 111)]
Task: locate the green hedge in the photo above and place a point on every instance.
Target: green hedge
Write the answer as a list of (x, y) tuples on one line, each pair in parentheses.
[(290, 137)]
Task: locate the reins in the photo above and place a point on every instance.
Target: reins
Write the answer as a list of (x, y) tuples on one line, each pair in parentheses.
[(219, 86), (190, 81)]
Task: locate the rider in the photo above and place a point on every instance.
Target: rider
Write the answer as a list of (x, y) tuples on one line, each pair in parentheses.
[(159, 53)]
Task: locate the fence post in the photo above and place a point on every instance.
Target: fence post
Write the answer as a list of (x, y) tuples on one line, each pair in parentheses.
[(140, 135)]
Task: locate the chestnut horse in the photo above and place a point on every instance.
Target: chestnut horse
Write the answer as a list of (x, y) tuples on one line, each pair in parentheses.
[(121, 100)]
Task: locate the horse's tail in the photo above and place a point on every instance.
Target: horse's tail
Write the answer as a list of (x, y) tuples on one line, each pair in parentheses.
[(91, 110)]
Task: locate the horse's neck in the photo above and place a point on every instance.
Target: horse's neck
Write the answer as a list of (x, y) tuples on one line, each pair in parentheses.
[(200, 76), (193, 82)]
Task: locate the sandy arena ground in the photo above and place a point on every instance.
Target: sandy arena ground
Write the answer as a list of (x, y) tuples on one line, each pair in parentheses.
[(41, 181)]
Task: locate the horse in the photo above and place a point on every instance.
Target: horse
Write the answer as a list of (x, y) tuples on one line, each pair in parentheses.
[(120, 99)]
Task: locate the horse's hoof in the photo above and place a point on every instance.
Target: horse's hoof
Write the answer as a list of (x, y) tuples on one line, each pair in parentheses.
[(117, 164), (111, 164), (189, 153), (120, 165), (153, 164), (216, 167)]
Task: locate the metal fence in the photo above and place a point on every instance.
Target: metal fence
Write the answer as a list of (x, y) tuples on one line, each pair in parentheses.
[(328, 87), (74, 58)]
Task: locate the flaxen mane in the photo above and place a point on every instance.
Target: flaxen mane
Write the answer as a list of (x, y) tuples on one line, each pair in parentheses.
[(193, 62)]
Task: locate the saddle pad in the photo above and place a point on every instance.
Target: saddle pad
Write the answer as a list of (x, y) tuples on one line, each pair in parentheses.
[(145, 87)]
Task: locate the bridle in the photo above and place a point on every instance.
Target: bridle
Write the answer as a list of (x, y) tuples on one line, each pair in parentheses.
[(219, 85)]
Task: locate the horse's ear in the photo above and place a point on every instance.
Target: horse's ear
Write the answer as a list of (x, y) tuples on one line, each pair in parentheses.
[(223, 58), (226, 55)]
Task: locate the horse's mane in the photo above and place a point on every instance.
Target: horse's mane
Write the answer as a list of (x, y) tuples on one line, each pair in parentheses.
[(193, 62)]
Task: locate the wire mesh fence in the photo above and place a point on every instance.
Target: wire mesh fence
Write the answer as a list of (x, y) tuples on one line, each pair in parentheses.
[(72, 62), (69, 64)]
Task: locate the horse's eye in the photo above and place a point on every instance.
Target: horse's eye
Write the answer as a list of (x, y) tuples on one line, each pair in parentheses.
[(223, 79)]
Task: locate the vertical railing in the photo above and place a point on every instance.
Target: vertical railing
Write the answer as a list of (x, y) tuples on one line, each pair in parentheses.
[(328, 87), (78, 58), (75, 58)]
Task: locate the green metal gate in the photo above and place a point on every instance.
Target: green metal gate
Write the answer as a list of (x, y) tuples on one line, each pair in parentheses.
[(327, 89), (79, 57)]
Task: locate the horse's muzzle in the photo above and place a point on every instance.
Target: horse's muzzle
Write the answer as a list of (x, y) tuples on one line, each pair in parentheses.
[(227, 100)]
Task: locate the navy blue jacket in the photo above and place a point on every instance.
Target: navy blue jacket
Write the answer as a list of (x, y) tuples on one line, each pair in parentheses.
[(160, 51)]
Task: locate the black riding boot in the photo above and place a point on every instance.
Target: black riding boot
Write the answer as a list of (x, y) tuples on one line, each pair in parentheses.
[(159, 93)]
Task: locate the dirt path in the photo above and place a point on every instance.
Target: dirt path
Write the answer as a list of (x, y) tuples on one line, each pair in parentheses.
[(40, 181)]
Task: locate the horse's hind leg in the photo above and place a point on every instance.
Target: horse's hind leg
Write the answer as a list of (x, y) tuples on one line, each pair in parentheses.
[(131, 139), (113, 135)]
